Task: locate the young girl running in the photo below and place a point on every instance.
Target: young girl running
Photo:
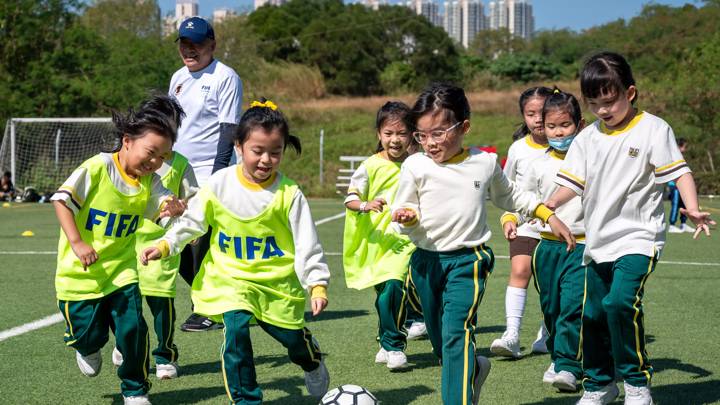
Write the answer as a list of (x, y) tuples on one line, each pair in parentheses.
[(100, 207), (264, 255), (374, 255), (559, 275), (157, 280), (440, 204), (616, 165), (530, 143)]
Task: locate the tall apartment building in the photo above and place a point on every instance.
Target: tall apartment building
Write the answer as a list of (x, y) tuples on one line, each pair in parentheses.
[(427, 8), (515, 15), (260, 3), (185, 9), (222, 14), (463, 19)]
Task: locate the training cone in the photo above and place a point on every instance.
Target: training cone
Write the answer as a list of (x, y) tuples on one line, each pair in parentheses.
[(28, 233), (6, 204)]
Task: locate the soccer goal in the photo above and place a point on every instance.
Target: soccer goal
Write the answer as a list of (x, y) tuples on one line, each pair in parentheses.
[(43, 152)]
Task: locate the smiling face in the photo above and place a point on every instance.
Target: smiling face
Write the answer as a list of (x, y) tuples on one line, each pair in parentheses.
[(615, 109), (196, 56), (395, 139), (146, 153), (532, 114), (442, 150), (261, 153)]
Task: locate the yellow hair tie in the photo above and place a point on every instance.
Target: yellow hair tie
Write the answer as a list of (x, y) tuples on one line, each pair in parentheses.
[(556, 91), (267, 104)]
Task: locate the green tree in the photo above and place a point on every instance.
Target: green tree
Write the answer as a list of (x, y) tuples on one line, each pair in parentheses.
[(490, 44), (107, 17), (524, 67)]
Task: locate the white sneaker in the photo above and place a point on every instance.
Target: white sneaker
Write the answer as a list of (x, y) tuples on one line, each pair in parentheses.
[(674, 229), (89, 365), (396, 360), (117, 357), (540, 343), (483, 369), (565, 381), (317, 381), (381, 357), (137, 400), (507, 346), (166, 371), (686, 228), (606, 395), (549, 374), (637, 395), (416, 330)]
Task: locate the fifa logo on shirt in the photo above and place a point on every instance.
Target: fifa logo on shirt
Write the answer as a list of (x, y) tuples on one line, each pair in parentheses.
[(250, 247), (477, 185), (633, 152), (115, 224), (205, 89)]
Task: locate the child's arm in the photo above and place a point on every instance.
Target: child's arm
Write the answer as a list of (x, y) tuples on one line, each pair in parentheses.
[(406, 210), (162, 203), (511, 220), (561, 196), (686, 186), (358, 190), (82, 250), (310, 265)]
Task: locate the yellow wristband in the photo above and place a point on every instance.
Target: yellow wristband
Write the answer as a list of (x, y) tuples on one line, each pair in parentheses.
[(318, 291), (164, 247), (508, 217), (543, 213)]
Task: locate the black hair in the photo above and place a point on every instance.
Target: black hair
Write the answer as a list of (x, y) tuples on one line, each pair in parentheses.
[(161, 114), (565, 102), (606, 73), (269, 119), (532, 92), (8, 174), (681, 142), (442, 97), (395, 111)]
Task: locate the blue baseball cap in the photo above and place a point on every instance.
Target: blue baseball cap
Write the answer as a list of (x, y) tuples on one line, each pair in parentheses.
[(196, 29)]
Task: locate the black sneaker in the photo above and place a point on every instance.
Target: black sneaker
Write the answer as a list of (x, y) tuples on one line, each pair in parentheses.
[(199, 323)]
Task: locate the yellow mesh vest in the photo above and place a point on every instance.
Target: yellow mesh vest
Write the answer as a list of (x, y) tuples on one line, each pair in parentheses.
[(107, 221), (372, 251), (251, 263), (157, 279)]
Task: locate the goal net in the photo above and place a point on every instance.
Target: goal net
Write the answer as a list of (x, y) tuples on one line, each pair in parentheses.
[(43, 152)]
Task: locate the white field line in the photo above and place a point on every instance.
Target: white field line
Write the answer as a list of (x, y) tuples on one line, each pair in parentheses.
[(57, 318)]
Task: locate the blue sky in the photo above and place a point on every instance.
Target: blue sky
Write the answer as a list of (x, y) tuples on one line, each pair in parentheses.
[(549, 14)]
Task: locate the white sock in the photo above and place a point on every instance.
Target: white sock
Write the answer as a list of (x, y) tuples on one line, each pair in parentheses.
[(514, 307)]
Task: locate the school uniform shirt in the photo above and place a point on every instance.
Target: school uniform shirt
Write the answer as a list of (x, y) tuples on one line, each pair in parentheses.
[(620, 175), (521, 153), (449, 199), (209, 97), (540, 179), (108, 208), (264, 249)]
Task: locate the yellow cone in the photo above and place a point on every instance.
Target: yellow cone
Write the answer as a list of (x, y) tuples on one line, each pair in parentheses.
[(28, 233), (6, 204)]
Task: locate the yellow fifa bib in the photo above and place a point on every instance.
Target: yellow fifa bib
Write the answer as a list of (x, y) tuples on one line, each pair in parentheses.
[(372, 251), (251, 263), (107, 221), (157, 279)]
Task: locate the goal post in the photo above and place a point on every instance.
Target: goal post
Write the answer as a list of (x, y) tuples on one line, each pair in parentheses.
[(43, 152)]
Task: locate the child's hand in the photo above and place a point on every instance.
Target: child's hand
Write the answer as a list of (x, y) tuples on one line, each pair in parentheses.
[(510, 230), (700, 219), (403, 215), (149, 254), (560, 230), (173, 207), (318, 305), (375, 205), (551, 204), (85, 253)]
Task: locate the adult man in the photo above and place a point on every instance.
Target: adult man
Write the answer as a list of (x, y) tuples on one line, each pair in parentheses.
[(211, 95)]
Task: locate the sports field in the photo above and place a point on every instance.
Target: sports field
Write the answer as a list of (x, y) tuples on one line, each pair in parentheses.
[(682, 305)]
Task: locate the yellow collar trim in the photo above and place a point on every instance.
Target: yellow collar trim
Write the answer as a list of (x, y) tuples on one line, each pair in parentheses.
[(624, 129), (458, 158), (531, 143), (129, 180), (249, 184), (558, 155)]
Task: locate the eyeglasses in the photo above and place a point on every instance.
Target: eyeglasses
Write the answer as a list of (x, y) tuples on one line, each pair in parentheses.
[(437, 135)]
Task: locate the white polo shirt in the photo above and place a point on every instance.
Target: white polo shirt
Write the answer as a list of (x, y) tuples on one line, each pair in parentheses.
[(209, 97), (521, 153), (620, 175)]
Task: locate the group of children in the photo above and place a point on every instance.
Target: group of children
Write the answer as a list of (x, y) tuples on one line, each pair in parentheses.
[(584, 217)]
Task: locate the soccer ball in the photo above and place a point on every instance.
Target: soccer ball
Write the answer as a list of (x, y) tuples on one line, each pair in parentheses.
[(349, 394)]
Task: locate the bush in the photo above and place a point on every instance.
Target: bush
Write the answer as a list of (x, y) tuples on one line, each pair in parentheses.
[(525, 67)]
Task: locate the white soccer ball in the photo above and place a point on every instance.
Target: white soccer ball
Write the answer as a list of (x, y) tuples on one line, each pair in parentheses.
[(349, 394)]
